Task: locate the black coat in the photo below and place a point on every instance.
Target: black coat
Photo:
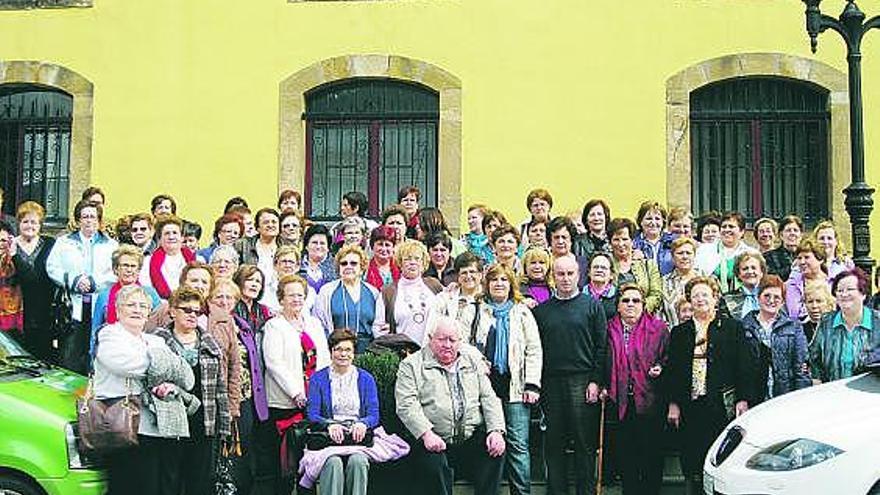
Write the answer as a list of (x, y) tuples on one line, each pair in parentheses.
[(729, 364), (37, 292)]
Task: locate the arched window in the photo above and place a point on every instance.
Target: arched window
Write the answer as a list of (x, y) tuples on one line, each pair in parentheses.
[(35, 147), (759, 145), (373, 136)]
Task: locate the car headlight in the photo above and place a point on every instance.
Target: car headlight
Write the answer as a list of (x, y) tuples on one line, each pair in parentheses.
[(75, 460), (791, 455)]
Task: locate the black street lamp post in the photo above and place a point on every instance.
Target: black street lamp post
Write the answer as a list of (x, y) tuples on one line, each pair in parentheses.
[(851, 26)]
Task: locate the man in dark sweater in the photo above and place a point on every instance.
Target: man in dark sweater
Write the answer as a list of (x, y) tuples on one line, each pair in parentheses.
[(574, 340), (779, 260)]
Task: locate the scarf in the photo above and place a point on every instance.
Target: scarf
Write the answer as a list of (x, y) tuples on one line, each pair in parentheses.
[(625, 352), (501, 312), (298, 418), (374, 277), (111, 302), (597, 294), (156, 277)]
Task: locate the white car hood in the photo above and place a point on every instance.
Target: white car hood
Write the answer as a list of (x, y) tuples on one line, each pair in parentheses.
[(842, 413)]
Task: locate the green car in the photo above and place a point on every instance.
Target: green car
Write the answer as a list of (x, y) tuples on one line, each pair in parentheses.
[(38, 435)]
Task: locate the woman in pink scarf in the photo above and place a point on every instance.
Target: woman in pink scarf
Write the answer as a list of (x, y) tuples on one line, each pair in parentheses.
[(162, 269), (637, 345)]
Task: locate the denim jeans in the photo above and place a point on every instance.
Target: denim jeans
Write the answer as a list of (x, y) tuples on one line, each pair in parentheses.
[(518, 464)]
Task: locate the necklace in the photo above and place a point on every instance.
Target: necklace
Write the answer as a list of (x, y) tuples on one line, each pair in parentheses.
[(418, 308)]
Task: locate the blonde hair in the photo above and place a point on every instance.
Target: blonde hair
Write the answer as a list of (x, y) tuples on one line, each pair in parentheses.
[(290, 279), (127, 250), (496, 271), (840, 250), (820, 288), (537, 254), (347, 249), (225, 283), (409, 248)]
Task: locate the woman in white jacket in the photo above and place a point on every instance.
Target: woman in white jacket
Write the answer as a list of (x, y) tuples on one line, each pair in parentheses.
[(294, 347), (507, 335), (121, 362)]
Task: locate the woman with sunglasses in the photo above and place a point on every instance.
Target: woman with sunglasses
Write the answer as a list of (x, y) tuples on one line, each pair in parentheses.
[(637, 345), (189, 465), (349, 302)]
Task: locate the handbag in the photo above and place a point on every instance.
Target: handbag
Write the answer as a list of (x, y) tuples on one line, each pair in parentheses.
[(62, 308), (728, 398), (317, 437), (108, 425), (224, 481)]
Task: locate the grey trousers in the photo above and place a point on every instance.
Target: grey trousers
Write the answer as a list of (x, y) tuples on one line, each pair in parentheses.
[(344, 478)]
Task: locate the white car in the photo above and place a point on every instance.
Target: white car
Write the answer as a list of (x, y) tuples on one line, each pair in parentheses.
[(819, 440)]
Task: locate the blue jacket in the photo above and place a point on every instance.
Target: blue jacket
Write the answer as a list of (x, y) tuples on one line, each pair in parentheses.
[(664, 259), (320, 406), (786, 357)]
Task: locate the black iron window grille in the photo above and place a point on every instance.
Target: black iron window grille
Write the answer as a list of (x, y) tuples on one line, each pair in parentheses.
[(759, 145), (35, 148), (373, 136)]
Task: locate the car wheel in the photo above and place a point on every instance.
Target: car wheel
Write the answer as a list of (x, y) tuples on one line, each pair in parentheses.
[(10, 485)]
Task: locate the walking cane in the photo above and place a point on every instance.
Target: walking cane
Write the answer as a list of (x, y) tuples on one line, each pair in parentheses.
[(601, 447)]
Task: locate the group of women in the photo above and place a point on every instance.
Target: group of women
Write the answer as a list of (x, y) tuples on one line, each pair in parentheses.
[(701, 325)]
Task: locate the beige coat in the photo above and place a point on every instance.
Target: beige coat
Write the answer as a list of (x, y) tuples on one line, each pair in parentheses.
[(424, 398), (524, 354)]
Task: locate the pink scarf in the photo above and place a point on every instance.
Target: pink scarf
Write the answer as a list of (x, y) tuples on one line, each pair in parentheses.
[(156, 277)]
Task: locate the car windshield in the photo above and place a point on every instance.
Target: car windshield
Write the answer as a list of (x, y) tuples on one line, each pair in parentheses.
[(10, 348), (869, 382)]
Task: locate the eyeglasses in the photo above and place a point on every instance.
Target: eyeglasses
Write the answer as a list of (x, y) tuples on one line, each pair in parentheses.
[(771, 297), (140, 229), (630, 300), (351, 263), (129, 266), (190, 311), (141, 306)]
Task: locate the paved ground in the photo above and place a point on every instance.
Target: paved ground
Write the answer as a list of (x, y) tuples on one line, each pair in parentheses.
[(540, 490)]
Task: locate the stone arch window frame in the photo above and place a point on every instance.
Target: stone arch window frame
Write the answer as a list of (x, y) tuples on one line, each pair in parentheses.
[(678, 142), (55, 76), (292, 128)]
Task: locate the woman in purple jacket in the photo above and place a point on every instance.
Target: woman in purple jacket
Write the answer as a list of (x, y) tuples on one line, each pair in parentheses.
[(343, 399), (637, 346)]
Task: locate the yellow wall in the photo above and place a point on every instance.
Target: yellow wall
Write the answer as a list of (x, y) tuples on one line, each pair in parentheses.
[(567, 94)]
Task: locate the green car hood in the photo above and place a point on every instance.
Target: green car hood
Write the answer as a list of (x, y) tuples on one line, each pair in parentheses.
[(51, 396)]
